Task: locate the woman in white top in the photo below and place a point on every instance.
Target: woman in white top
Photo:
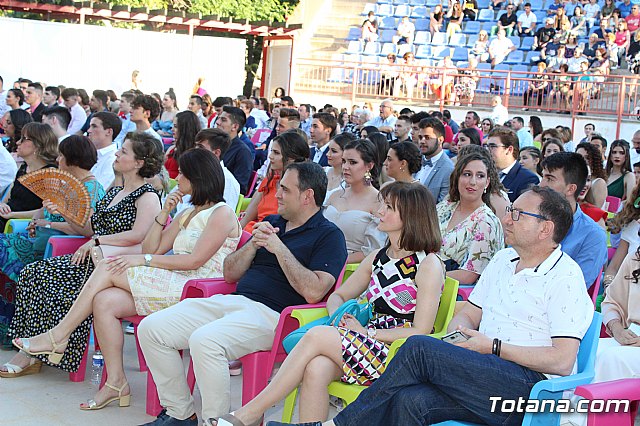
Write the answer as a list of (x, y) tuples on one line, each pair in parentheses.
[(353, 209), (334, 158), (403, 161)]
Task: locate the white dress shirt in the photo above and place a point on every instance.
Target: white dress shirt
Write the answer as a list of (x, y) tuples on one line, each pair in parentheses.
[(319, 151), (8, 169), (103, 169), (78, 118), (425, 171)]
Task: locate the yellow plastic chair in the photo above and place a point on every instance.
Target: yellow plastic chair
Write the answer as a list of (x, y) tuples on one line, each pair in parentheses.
[(16, 225), (243, 204), (537, 144), (348, 393), (239, 205), (349, 269)]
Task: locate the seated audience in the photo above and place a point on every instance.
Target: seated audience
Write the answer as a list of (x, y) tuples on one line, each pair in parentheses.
[(597, 194), (506, 22), (538, 87), (436, 19), (12, 123), (293, 258), (144, 110), (551, 146), (402, 129), (238, 157), (415, 388), (620, 181), (195, 106), (407, 80), (405, 32), (353, 208), (465, 88), (471, 232), (323, 128), (385, 121), (47, 289), (499, 48), (38, 148), (334, 158), (530, 159), (76, 156), (185, 126), (598, 215), (436, 164), (586, 242), (103, 127), (288, 147), (14, 99), (369, 28), (526, 25), (403, 162), (455, 17), (165, 122), (470, 9), (58, 118), (480, 49), (351, 352)]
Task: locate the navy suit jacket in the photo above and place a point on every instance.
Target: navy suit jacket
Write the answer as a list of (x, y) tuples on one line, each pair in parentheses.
[(324, 162), (518, 180)]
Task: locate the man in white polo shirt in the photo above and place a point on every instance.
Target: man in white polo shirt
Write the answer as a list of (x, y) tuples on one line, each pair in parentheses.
[(524, 321), (527, 22)]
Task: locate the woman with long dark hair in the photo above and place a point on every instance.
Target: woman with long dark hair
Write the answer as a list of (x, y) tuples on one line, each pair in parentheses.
[(186, 126), (620, 180), (535, 127), (165, 122), (597, 194), (12, 123)]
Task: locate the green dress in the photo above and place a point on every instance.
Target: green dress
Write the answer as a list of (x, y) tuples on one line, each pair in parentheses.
[(18, 249), (616, 188)]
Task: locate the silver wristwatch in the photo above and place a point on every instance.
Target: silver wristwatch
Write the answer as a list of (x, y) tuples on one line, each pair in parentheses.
[(147, 259)]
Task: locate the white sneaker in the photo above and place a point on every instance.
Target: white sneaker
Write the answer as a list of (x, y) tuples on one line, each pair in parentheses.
[(235, 368), (129, 329)]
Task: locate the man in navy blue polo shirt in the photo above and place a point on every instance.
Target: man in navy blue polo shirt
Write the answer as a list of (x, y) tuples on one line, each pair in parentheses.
[(293, 258)]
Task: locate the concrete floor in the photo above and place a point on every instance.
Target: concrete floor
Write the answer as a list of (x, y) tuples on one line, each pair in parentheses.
[(49, 398)]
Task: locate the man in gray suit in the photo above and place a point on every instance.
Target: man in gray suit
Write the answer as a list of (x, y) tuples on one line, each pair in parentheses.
[(436, 165)]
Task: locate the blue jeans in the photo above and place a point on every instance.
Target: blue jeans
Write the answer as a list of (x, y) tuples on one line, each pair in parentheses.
[(430, 381)]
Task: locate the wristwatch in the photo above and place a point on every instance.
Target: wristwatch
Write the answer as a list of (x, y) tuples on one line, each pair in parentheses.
[(48, 226), (371, 332), (147, 259), (96, 241)]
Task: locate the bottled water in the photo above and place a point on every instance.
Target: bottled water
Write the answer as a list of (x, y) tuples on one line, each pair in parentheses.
[(97, 364)]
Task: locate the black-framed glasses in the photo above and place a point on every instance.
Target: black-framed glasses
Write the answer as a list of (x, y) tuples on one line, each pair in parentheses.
[(493, 146), (515, 214)]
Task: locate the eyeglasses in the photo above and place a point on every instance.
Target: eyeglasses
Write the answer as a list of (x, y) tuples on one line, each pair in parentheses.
[(493, 146), (515, 214), (24, 138)]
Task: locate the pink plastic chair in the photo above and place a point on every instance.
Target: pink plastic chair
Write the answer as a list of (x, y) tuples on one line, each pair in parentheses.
[(256, 367), (614, 204), (595, 289), (252, 183), (258, 137), (464, 291), (617, 389)]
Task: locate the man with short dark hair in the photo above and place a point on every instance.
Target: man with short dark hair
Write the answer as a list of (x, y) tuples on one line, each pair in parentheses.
[(471, 121), (289, 118), (505, 148), (126, 100), (287, 102), (293, 258), (526, 22), (506, 22), (523, 323), (78, 115), (586, 241), (305, 118), (50, 96), (403, 129), (103, 129), (58, 118), (323, 128), (601, 143), (97, 103), (455, 128), (524, 137), (589, 128), (33, 96), (238, 157), (436, 165), (144, 110), (415, 124), (195, 106)]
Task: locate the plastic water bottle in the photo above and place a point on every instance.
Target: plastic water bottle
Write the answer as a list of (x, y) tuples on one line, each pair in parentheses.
[(97, 363)]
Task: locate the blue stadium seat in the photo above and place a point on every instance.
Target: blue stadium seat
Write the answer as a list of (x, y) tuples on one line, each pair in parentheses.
[(483, 4), (439, 52), (424, 52), (516, 41), (348, 71), (500, 13), (485, 15), (370, 75), (396, 2), (422, 37), (385, 10), (518, 86), (533, 57), (337, 73), (388, 48), (439, 39), (402, 10), (460, 54), (372, 48), (527, 43), (422, 24), (387, 36), (370, 7), (417, 2), (541, 15), (432, 3), (486, 26), (485, 78), (500, 79), (353, 47), (472, 40), (472, 27), (462, 64), (420, 12), (354, 33), (388, 22), (384, 1), (458, 40), (536, 5), (515, 57)]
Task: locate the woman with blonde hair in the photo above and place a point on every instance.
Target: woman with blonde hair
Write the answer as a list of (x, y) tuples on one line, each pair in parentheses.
[(480, 49), (456, 17)]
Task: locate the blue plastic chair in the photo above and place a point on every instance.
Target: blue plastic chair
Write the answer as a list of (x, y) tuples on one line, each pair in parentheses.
[(536, 5), (439, 39), (485, 15), (518, 87), (527, 43), (422, 25), (472, 40), (533, 57), (370, 7), (402, 10), (417, 2), (388, 48), (553, 389), (354, 33), (420, 12), (460, 54), (541, 15), (15, 226), (433, 3), (485, 82), (440, 52), (49, 248), (387, 36), (385, 10), (472, 27), (388, 22), (398, 2), (483, 4), (372, 48), (422, 37), (516, 41), (336, 74), (458, 40), (515, 57), (424, 52), (353, 47)]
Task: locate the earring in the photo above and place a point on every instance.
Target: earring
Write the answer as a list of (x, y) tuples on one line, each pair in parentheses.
[(485, 189), (368, 178)]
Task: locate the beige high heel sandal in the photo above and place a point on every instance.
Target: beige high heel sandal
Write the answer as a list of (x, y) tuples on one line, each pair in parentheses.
[(123, 400), (13, 370), (54, 357)]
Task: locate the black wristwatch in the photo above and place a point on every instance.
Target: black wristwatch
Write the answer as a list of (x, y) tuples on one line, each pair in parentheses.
[(96, 240)]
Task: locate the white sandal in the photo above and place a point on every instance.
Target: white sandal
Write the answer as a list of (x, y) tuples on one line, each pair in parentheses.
[(16, 371)]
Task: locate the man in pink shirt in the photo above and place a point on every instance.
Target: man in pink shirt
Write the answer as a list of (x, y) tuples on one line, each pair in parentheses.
[(633, 20), (471, 120)]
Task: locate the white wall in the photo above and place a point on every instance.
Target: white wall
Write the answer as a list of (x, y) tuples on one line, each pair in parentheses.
[(93, 57)]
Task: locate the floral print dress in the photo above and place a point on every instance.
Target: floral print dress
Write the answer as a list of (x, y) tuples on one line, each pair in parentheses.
[(471, 244)]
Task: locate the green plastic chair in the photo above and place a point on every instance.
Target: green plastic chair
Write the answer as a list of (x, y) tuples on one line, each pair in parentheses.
[(537, 144), (348, 393), (16, 225), (350, 269), (171, 183), (239, 205), (243, 204)]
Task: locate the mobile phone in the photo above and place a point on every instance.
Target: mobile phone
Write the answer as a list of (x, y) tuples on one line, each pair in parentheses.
[(455, 337)]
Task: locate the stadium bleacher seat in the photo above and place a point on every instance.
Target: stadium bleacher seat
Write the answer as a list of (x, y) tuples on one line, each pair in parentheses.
[(370, 7), (348, 71), (483, 4), (527, 43), (462, 65), (423, 52), (422, 24), (485, 15), (372, 48), (486, 26), (353, 47), (420, 12), (432, 3), (472, 40), (422, 37), (337, 72), (485, 78), (388, 22), (458, 40), (518, 87), (500, 13), (385, 1), (386, 36), (460, 54), (499, 81), (516, 41), (515, 57), (439, 52), (402, 10), (541, 15), (533, 57), (536, 5), (417, 2), (472, 27), (397, 2), (371, 73), (439, 39), (385, 9), (388, 48), (354, 33)]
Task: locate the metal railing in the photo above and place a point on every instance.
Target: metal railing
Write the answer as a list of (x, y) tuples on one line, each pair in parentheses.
[(612, 96)]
